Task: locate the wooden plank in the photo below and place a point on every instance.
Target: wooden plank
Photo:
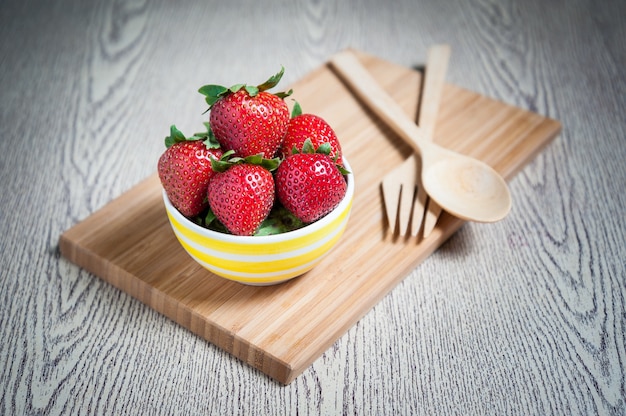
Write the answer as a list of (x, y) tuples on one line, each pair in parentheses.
[(282, 329)]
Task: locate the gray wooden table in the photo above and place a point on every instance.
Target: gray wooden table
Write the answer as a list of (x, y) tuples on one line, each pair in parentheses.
[(526, 316)]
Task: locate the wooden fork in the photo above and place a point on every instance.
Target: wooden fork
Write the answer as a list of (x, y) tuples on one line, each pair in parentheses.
[(402, 201)]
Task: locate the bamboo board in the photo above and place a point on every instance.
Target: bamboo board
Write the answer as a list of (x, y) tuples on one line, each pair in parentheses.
[(282, 329)]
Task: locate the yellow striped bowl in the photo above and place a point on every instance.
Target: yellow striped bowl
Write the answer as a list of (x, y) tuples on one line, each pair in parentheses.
[(262, 260)]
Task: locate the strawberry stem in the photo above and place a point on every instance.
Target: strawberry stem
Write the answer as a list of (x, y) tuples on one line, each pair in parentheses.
[(213, 92), (226, 161), (324, 148), (207, 137)]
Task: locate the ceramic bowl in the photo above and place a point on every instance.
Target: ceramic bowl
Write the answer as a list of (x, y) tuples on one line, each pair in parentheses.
[(263, 260)]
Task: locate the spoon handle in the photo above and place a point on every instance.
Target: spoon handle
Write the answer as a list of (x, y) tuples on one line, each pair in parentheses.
[(385, 107)]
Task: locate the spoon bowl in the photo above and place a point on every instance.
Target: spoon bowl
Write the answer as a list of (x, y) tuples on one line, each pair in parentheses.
[(467, 188)]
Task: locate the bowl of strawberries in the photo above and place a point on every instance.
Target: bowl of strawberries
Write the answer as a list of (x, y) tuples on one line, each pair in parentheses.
[(263, 194)]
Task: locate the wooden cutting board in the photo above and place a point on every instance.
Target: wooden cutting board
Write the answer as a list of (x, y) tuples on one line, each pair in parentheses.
[(282, 329)]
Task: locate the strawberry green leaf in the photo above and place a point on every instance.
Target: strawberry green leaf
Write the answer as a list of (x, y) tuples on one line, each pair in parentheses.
[(279, 221), (307, 146), (254, 159), (198, 136), (175, 136), (297, 110), (236, 87), (212, 93), (209, 217), (272, 81), (223, 163), (343, 170), (269, 164), (201, 135), (226, 161), (210, 141), (220, 165), (284, 94), (207, 137), (324, 148), (252, 90)]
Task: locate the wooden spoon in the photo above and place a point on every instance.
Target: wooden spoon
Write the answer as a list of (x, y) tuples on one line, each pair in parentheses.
[(463, 186)]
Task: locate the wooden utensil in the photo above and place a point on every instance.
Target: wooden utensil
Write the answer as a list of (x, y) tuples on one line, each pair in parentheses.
[(465, 187), (402, 204)]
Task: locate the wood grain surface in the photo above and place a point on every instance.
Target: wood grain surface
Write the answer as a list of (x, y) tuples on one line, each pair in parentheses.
[(526, 316), (281, 330)]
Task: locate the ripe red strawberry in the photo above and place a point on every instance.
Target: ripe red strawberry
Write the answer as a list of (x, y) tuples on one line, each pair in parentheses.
[(310, 185), (241, 197), (313, 127), (248, 119), (185, 170)]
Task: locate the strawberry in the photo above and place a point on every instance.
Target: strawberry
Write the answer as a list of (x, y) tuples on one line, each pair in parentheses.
[(248, 119), (313, 127), (242, 195), (310, 185), (185, 170)]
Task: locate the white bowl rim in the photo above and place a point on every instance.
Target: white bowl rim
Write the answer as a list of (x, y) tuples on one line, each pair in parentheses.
[(274, 238)]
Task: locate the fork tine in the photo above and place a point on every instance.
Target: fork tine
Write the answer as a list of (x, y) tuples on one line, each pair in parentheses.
[(421, 199), (395, 195), (407, 196), (391, 197), (418, 211), (432, 215)]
